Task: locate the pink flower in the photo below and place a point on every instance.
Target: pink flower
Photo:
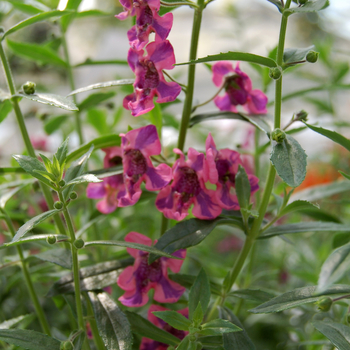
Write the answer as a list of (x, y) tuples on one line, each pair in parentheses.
[(112, 187), (149, 344), (220, 169), (137, 280), (149, 77), (238, 87), (138, 146), (188, 188)]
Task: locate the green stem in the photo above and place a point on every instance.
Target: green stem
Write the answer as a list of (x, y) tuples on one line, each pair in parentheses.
[(186, 113), (257, 162), (20, 120), (38, 309)]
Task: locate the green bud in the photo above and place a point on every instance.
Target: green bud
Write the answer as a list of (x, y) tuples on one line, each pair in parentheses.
[(62, 183), (51, 239), (73, 195), (303, 2), (58, 205), (29, 88), (79, 243), (312, 56), (67, 345), (275, 73), (278, 135), (324, 304), (302, 115)]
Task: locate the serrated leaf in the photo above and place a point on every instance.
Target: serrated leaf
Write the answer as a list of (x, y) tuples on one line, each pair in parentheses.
[(51, 100), (35, 19), (5, 109), (293, 55), (298, 297), (103, 85), (30, 340), (200, 292), (337, 333), (138, 246), (314, 226), (113, 326), (29, 225), (243, 188), (147, 329), (35, 238), (61, 257), (235, 56), (94, 99), (174, 319), (289, 160), (54, 123), (297, 206), (189, 233), (36, 53), (83, 179), (310, 6), (17, 320), (218, 326)]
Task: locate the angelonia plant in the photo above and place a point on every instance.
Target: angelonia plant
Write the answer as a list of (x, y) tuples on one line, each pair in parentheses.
[(124, 243)]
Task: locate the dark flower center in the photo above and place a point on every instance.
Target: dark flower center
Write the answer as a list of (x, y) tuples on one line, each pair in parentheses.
[(187, 184), (114, 161), (145, 19), (147, 273), (234, 86), (223, 168), (137, 164)]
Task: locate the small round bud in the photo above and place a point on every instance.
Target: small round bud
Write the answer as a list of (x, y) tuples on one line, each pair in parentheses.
[(79, 243), (278, 135), (51, 239), (29, 88), (275, 73), (303, 2), (302, 115), (73, 195), (62, 183), (67, 345), (324, 304), (58, 205), (312, 56)]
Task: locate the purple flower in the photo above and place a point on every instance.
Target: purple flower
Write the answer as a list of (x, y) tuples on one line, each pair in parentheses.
[(138, 146), (137, 280), (112, 187), (238, 87), (149, 77), (188, 188), (220, 168)]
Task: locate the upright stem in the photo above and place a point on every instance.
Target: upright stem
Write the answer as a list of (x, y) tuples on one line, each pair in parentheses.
[(38, 309), (20, 120), (186, 113)]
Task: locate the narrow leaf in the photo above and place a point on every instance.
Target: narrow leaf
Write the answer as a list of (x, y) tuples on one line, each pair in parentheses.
[(35, 238), (95, 99), (31, 7), (310, 6), (200, 292), (83, 179), (113, 326), (277, 3), (5, 109), (54, 123), (15, 321), (61, 257), (297, 206), (289, 160), (174, 319), (218, 326), (62, 151), (257, 295), (295, 55), (90, 62), (103, 85)]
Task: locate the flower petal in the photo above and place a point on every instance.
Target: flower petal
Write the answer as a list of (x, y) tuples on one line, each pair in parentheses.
[(224, 103), (159, 177), (135, 237), (134, 298), (162, 25), (162, 54), (175, 264), (167, 92), (126, 279), (167, 291), (205, 206), (96, 190), (220, 69)]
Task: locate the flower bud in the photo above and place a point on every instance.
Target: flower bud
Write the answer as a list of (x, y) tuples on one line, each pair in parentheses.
[(302, 115), (79, 243), (324, 304), (51, 239), (278, 135), (275, 73), (29, 88), (73, 195), (58, 205), (62, 183), (67, 345), (312, 56)]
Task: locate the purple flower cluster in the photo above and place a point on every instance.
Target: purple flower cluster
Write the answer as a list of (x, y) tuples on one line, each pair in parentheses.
[(147, 60)]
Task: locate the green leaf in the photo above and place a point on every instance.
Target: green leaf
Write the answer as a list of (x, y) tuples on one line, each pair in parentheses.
[(277, 3), (214, 343), (91, 277), (186, 344), (94, 99), (334, 268), (29, 225), (53, 124), (289, 160), (260, 123), (106, 172), (51, 100), (257, 295), (147, 329), (298, 297), (310, 6), (156, 118), (235, 56), (84, 228), (31, 7), (90, 62), (113, 326), (93, 13), (36, 53), (218, 326), (198, 315), (35, 238), (62, 151), (30, 340), (17, 320), (83, 179), (345, 175), (297, 206), (71, 5), (337, 333), (5, 109), (174, 319), (138, 246), (61, 257), (189, 233), (235, 340), (332, 135), (293, 55), (314, 226), (242, 186), (200, 292), (98, 119), (4, 197), (35, 19), (103, 85)]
